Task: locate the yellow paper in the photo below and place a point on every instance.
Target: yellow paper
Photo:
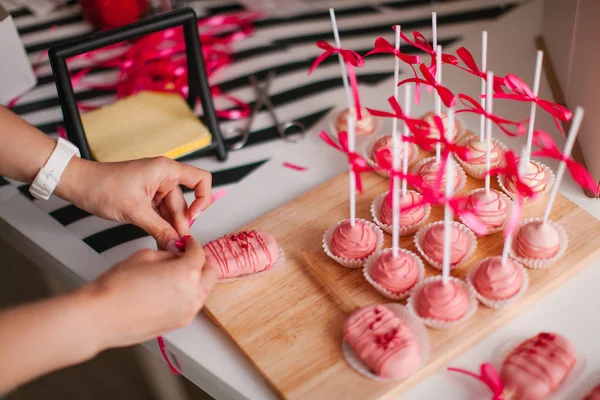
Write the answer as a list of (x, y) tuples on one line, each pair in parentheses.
[(147, 124)]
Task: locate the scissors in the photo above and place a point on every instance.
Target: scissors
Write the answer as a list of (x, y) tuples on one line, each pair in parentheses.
[(284, 130)]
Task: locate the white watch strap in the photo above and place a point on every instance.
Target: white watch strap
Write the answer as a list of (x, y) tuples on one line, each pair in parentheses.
[(47, 179)]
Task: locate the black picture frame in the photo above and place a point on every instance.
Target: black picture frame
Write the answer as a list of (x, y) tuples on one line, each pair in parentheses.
[(197, 77)]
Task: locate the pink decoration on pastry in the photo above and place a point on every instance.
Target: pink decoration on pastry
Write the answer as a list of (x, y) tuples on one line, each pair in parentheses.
[(242, 253), (383, 342), (495, 281), (490, 208), (429, 172), (433, 244), (536, 367), (448, 302), (411, 216), (396, 274), (353, 242), (364, 126), (594, 394), (538, 240), (477, 150), (385, 142), (534, 177), (433, 129)]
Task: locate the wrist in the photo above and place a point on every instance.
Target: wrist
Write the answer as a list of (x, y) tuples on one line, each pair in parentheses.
[(72, 180)]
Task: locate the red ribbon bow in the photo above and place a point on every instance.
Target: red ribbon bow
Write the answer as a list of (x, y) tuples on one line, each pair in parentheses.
[(489, 376), (472, 68), (416, 126), (428, 143), (510, 171), (472, 106), (522, 92), (445, 94), (548, 149), (383, 46), (422, 44), (357, 164), (352, 59)]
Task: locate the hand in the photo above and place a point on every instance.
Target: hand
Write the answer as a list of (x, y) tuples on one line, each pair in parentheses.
[(150, 293), (143, 192)]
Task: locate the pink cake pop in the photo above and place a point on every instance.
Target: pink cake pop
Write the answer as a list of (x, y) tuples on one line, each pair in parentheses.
[(491, 208), (495, 281), (538, 240), (383, 342), (411, 215), (395, 274), (439, 301), (433, 244), (364, 126), (353, 242), (536, 367), (434, 132), (476, 165), (428, 170), (242, 253), (534, 176), (385, 143)]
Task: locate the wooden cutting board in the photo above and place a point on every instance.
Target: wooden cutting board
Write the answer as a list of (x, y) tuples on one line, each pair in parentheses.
[(290, 326)]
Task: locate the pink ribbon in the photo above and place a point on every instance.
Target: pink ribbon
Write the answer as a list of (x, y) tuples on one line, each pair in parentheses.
[(472, 106), (422, 44), (510, 171), (295, 167), (472, 68), (522, 92), (416, 126), (352, 59), (383, 46), (548, 149), (489, 376), (356, 163), (445, 94), (161, 346)]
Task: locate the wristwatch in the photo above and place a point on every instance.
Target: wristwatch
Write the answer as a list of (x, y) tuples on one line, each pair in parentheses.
[(47, 179)]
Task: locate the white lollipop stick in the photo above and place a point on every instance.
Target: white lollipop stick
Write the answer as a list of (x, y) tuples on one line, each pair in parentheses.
[(488, 130), (351, 147), (407, 106), (438, 99), (396, 158), (338, 44), (483, 85), (573, 131), (536, 89), (448, 214), (508, 239), (434, 28)]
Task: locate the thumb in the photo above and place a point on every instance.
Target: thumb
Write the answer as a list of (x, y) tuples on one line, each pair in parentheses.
[(156, 226)]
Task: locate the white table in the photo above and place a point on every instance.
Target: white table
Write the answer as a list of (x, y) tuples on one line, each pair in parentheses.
[(211, 360)]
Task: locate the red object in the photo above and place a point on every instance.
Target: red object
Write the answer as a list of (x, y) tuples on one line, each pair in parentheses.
[(472, 106), (109, 14), (489, 376)]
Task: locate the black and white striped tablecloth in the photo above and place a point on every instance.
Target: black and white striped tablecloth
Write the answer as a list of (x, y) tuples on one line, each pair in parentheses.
[(284, 45)]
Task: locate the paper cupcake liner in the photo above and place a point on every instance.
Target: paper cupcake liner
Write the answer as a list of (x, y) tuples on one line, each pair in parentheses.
[(462, 176), (508, 202), (413, 323), (405, 230), (478, 171), (370, 263), (470, 250), (565, 388), (496, 304), (333, 116), (367, 153), (437, 323), (538, 263), (278, 264), (549, 183), (350, 262)]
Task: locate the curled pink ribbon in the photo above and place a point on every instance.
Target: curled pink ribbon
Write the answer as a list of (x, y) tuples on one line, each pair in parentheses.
[(489, 376), (522, 92), (416, 126), (510, 171), (422, 44), (352, 59), (356, 163), (445, 94), (472, 106), (472, 68), (163, 351), (383, 46), (548, 149)]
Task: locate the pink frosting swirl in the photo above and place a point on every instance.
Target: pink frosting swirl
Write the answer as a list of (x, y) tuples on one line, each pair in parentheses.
[(491, 208), (396, 274), (433, 244), (477, 150), (410, 216), (538, 240), (365, 126), (383, 342), (495, 281), (534, 177), (353, 242), (385, 142), (536, 367), (428, 171), (447, 302)]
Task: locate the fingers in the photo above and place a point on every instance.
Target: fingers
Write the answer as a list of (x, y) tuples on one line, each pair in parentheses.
[(199, 180), (206, 273), (194, 253), (156, 226), (177, 209)]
